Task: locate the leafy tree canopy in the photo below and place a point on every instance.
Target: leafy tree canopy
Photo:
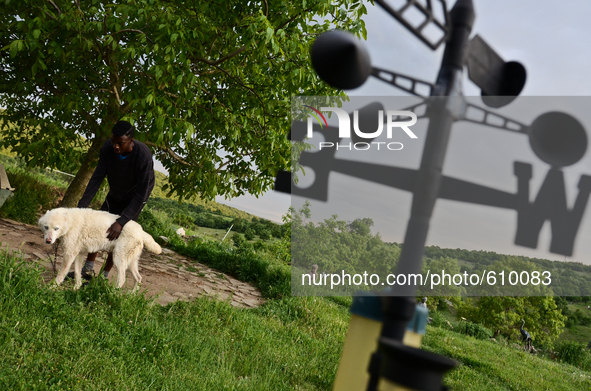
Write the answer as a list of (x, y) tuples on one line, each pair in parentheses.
[(207, 83), (503, 315), (336, 245)]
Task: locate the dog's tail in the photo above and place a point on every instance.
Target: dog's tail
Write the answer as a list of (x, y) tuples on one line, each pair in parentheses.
[(151, 245)]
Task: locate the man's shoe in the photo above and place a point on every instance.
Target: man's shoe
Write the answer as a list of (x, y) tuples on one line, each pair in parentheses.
[(85, 276)]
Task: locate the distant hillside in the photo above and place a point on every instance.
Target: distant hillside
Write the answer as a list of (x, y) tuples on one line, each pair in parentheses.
[(568, 278), (212, 206)]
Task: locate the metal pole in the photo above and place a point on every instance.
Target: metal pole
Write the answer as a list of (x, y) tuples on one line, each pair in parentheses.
[(227, 233), (442, 115), (399, 308)]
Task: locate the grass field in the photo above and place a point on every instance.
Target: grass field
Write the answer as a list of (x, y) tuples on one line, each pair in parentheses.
[(100, 339), (218, 234)]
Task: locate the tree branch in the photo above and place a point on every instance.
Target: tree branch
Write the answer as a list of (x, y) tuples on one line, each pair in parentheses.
[(59, 12), (212, 45), (117, 95), (48, 14), (77, 2), (171, 153), (292, 19), (170, 94), (248, 88), (133, 31), (221, 60)]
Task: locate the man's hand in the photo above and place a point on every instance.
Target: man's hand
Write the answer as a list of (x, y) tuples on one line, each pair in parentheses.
[(114, 231)]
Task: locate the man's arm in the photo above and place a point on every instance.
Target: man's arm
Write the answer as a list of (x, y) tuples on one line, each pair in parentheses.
[(95, 182)]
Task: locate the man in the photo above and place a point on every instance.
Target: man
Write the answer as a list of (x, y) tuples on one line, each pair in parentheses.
[(128, 166)]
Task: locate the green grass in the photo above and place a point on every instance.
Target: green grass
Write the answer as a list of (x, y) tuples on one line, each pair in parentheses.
[(211, 233), (99, 339), (486, 365), (577, 333), (269, 275), (48, 177)]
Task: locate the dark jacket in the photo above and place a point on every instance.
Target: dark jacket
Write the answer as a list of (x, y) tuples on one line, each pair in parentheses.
[(130, 180)]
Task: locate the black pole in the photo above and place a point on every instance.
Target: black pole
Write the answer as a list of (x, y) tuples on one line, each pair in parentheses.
[(399, 308), (442, 116)]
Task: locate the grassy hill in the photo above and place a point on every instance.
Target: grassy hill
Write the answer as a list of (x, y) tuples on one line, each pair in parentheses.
[(212, 206), (59, 339)]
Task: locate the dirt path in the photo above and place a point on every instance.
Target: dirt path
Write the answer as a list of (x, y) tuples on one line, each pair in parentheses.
[(169, 275)]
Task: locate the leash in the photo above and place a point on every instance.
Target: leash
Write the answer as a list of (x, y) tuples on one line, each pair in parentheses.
[(54, 259)]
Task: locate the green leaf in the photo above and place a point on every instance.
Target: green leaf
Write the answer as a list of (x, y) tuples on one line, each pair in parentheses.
[(269, 34), (15, 47)]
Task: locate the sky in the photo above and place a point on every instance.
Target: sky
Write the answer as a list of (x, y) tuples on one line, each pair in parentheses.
[(547, 37)]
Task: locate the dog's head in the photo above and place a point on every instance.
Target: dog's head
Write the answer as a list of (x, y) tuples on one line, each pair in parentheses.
[(53, 224)]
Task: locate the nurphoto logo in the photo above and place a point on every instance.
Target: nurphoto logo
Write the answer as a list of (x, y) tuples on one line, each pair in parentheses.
[(395, 120)]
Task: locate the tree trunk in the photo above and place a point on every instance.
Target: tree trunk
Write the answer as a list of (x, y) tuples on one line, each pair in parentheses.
[(78, 186)]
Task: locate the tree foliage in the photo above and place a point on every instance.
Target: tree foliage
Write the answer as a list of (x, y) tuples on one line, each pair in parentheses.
[(335, 245), (503, 316), (207, 83)]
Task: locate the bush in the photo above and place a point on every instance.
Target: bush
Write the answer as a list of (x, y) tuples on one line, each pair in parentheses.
[(249, 234), (438, 320), (259, 245), (30, 198), (183, 220), (475, 330), (570, 352), (265, 234), (238, 240)]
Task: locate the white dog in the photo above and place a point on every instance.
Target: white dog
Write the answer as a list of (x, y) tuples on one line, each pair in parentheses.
[(84, 231)]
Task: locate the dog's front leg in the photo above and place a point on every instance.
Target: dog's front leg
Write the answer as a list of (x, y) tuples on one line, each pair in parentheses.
[(78, 272), (68, 260)]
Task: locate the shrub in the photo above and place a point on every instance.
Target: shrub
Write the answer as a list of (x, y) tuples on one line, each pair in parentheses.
[(438, 320), (238, 240), (259, 245), (30, 198), (570, 352), (475, 330), (265, 234), (183, 220), (249, 234)]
